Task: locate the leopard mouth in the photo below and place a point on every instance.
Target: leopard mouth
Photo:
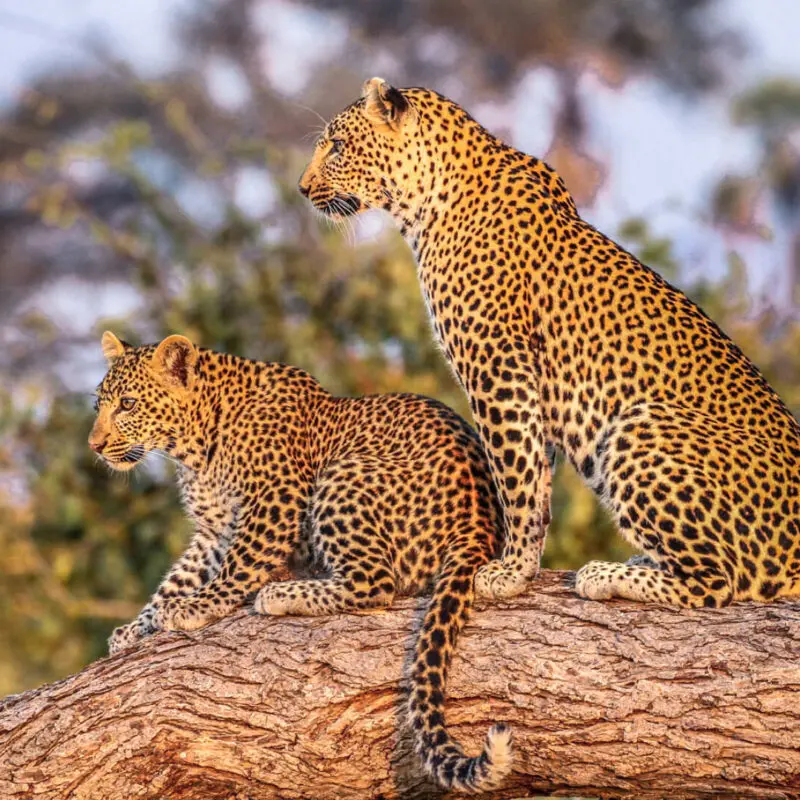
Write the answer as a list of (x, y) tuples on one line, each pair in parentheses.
[(342, 205), (129, 459)]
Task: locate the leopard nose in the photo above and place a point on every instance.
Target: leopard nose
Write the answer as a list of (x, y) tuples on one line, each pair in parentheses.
[(98, 447)]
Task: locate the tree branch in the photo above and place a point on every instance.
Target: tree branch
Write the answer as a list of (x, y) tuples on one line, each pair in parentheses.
[(604, 699)]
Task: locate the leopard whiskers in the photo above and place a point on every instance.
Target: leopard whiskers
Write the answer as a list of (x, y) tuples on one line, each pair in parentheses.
[(315, 132), (164, 457), (314, 112), (343, 222)]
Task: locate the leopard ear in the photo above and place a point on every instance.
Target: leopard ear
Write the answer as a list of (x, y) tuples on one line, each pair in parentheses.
[(385, 106), (113, 347), (174, 362)]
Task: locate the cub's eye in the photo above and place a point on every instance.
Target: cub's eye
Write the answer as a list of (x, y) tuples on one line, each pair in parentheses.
[(337, 145), (127, 403), (96, 404)]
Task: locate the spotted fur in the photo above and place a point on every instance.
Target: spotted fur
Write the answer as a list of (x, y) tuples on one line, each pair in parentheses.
[(560, 336), (388, 494)]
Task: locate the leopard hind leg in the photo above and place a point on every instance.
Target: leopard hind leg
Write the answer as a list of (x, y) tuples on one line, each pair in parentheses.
[(653, 476), (357, 556)]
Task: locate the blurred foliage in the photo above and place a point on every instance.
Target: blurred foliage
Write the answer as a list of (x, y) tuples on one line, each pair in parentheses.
[(740, 202), (153, 205)]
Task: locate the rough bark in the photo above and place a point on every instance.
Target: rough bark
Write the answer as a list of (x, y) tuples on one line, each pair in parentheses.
[(605, 699)]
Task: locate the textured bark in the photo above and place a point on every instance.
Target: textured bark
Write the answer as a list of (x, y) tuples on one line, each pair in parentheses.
[(605, 699)]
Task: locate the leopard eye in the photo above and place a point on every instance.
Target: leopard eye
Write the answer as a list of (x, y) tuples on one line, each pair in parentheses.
[(96, 404), (127, 403), (337, 145)]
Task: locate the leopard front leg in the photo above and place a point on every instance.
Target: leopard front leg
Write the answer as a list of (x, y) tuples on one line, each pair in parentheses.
[(259, 554), (506, 405), (238, 579), (199, 562)]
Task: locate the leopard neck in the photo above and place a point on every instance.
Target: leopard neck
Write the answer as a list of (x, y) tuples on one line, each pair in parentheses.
[(224, 386), (470, 171)]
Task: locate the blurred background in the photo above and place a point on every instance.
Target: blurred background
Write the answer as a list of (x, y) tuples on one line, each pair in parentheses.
[(149, 152)]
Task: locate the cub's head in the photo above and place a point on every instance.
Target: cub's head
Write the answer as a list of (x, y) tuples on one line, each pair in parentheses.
[(371, 155), (141, 403)]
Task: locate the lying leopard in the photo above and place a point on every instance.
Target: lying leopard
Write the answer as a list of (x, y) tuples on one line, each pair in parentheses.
[(389, 493), (559, 336)]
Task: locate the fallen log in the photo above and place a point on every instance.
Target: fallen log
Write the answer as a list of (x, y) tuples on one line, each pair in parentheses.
[(605, 700)]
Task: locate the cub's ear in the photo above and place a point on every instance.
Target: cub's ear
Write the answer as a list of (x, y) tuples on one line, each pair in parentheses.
[(174, 361), (385, 106), (113, 347)]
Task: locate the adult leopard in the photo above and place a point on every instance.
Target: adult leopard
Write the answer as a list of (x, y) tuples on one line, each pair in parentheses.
[(389, 493), (558, 335)]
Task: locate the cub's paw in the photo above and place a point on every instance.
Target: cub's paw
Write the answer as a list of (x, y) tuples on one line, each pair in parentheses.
[(182, 615), (272, 600), (497, 581), (125, 636), (593, 581)]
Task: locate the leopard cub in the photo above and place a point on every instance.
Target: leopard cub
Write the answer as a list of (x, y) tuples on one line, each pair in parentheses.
[(388, 494)]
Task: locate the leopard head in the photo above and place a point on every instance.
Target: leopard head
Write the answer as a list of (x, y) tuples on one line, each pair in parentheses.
[(370, 155), (141, 403)]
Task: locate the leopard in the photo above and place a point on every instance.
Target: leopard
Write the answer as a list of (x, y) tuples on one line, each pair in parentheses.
[(382, 495), (562, 338)]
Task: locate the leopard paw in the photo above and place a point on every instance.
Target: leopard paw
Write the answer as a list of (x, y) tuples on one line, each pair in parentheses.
[(271, 602), (125, 636), (498, 581), (182, 615), (592, 581)]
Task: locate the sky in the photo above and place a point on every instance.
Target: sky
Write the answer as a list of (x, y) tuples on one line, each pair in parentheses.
[(664, 155)]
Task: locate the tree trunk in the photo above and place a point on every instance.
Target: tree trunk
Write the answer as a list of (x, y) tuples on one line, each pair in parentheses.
[(604, 699)]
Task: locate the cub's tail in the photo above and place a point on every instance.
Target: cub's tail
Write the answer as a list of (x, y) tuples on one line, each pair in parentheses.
[(443, 757)]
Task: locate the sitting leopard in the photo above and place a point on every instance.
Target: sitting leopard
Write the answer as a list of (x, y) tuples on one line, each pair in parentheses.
[(390, 493), (559, 336)]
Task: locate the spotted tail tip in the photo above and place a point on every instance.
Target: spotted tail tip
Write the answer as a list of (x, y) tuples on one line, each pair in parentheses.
[(484, 773), (499, 754)]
